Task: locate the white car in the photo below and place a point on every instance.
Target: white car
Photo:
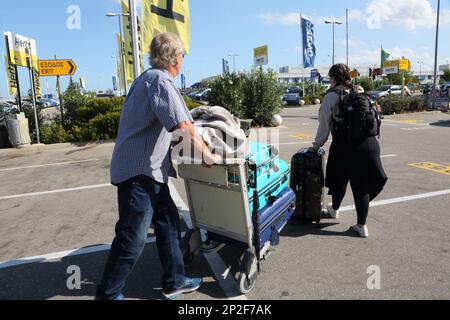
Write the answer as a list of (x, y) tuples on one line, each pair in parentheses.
[(384, 91)]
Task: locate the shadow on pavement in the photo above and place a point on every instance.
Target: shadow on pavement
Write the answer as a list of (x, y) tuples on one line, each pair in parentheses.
[(441, 123), (294, 230), (48, 279)]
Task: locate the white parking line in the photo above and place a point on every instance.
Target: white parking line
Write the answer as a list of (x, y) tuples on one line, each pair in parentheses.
[(389, 156), (49, 164), (401, 199), (60, 255), (35, 194), (406, 123)]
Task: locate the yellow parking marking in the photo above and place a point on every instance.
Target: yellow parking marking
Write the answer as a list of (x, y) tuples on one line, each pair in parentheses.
[(435, 167), (410, 121), (302, 136)]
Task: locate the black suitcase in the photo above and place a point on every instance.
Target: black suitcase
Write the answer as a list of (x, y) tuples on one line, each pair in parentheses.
[(308, 182)]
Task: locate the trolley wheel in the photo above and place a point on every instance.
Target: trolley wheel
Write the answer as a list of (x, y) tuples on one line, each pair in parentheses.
[(187, 249), (248, 272)]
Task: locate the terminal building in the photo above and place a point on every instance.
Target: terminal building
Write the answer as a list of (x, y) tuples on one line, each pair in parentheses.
[(295, 74)]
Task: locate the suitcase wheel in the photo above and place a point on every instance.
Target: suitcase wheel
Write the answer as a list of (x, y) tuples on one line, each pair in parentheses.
[(248, 272)]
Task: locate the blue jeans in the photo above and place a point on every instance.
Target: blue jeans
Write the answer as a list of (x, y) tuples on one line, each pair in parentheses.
[(141, 201)]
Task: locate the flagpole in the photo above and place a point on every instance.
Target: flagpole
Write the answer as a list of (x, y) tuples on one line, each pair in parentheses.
[(436, 54), (303, 52), (303, 40), (134, 37), (346, 19)]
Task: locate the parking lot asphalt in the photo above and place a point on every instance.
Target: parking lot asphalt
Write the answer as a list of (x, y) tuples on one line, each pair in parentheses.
[(57, 209)]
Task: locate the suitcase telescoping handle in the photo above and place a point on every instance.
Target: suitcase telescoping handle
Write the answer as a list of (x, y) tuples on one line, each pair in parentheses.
[(256, 226)]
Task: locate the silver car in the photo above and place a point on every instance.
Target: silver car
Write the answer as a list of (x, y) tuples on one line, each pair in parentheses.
[(384, 91)]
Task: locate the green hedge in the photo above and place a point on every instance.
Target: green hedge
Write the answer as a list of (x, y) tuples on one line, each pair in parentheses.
[(191, 104), (399, 105)]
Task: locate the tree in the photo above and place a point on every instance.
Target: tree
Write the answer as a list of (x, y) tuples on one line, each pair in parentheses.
[(366, 82), (446, 76), (73, 100), (396, 78)]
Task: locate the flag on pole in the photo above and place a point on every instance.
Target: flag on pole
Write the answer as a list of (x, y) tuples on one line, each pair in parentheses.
[(309, 49), (11, 77), (120, 70), (384, 57), (129, 42), (166, 16)]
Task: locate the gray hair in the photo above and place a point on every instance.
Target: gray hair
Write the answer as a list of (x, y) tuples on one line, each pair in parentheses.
[(164, 50)]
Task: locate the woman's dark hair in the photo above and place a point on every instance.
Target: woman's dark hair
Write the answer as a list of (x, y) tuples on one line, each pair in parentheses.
[(341, 74)]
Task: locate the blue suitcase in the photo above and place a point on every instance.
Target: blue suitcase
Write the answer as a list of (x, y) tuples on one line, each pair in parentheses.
[(272, 174), (274, 217), (270, 222)]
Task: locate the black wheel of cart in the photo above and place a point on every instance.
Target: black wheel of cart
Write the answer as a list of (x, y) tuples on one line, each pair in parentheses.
[(248, 272)]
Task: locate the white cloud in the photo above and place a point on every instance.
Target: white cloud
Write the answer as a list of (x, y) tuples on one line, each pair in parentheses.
[(353, 42), (407, 14), (372, 57), (289, 19)]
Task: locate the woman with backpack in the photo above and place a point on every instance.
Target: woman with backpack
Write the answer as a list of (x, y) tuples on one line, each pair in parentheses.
[(355, 152)]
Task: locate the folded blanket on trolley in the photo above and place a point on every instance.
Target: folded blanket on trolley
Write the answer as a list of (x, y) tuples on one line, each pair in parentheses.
[(220, 130)]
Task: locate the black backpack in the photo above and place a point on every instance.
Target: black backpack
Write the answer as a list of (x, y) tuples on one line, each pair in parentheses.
[(357, 119)]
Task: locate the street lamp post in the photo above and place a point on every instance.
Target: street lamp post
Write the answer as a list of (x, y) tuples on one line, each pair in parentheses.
[(122, 49), (234, 61), (436, 54), (333, 22)]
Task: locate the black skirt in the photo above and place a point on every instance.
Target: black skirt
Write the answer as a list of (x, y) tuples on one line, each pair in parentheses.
[(360, 164)]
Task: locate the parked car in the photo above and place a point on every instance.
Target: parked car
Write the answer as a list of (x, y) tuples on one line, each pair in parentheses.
[(428, 89), (384, 90), (49, 102), (293, 95), (193, 94), (202, 95), (445, 90)]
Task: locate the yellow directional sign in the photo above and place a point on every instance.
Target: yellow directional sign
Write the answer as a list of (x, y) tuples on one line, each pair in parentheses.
[(401, 64), (51, 68), (354, 73), (404, 64)]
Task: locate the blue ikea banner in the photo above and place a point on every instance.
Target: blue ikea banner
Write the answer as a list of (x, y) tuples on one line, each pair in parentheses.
[(309, 49)]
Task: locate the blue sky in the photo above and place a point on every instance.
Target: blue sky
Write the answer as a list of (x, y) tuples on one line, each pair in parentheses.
[(219, 28)]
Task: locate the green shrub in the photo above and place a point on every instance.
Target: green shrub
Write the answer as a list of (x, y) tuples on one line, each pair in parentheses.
[(95, 107), (227, 91), (101, 127), (191, 104), (399, 105), (261, 96), (366, 82), (54, 133)]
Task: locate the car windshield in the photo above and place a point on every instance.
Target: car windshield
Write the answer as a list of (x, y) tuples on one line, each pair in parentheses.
[(294, 90), (382, 88)]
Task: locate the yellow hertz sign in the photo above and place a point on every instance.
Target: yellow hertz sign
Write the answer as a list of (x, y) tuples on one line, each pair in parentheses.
[(435, 167), (402, 64)]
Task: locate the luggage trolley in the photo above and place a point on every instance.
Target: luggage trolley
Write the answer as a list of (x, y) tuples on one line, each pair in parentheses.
[(219, 204)]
